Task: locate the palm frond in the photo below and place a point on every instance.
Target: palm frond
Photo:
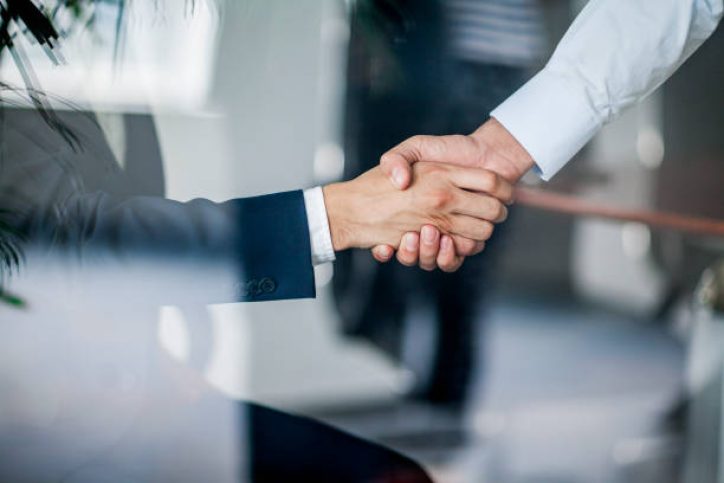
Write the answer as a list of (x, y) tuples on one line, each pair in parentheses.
[(11, 259), (39, 22)]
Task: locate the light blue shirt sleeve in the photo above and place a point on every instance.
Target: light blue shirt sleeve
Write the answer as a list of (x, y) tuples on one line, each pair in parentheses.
[(614, 54)]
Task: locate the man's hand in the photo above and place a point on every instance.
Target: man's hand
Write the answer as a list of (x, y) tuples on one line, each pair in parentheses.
[(369, 210), (491, 147)]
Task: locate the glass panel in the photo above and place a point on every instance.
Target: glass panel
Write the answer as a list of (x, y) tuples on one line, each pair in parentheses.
[(169, 310)]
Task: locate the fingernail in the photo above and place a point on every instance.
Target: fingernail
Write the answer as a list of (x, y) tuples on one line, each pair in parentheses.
[(410, 242), (383, 252), (446, 243), (398, 177), (428, 235)]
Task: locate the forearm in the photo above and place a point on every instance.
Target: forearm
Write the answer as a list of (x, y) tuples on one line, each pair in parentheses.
[(615, 54)]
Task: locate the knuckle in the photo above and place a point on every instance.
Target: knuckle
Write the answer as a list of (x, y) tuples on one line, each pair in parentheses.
[(496, 210), (405, 258), (387, 158), (436, 200), (429, 249), (478, 232), (465, 246), (486, 231), (444, 224), (444, 257), (503, 215), (425, 142), (417, 143), (450, 267), (492, 181), (417, 139), (430, 169), (427, 253), (452, 264), (439, 199)]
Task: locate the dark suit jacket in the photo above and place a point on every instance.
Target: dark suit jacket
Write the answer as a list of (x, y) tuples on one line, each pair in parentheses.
[(62, 188)]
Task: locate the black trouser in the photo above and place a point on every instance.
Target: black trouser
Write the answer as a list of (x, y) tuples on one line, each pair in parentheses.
[(374, 299), (291, 448)]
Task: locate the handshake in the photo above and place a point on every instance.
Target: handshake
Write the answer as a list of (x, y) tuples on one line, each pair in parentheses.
[(434, 199)]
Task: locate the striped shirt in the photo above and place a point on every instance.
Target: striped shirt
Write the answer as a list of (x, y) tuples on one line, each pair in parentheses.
[(509, 32)]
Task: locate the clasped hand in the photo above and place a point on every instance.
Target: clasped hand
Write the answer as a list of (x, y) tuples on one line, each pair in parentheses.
[(433, 200), (490, 147), (462, 204)]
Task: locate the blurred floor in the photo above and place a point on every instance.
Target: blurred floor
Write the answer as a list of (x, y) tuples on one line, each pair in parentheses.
[(571, 393)]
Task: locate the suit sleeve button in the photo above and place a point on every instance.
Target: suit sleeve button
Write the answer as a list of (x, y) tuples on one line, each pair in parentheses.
[(267, 285)]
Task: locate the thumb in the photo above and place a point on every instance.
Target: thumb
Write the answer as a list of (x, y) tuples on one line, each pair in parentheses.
[(396, 163), (397, 167)]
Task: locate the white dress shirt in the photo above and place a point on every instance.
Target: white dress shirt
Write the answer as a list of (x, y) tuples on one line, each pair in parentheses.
[(319, 234), (615, 54)]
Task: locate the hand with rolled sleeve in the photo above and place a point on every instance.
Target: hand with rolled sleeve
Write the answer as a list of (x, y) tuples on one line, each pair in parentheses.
[(615, 54)]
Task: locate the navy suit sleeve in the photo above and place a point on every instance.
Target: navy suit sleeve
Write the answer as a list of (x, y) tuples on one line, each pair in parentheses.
[(275, 248), (264, 240)]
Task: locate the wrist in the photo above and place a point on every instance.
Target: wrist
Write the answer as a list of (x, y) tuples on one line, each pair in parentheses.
[(501, 151), (338, 212)]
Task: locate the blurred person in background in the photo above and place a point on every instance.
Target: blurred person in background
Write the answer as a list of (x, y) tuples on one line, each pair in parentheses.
[(432, 67)]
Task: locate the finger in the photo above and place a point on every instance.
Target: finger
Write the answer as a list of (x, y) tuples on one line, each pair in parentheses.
[(409, 249), (447, 259), (429, 247), (483, 181), (383, 253), (465, 247), (480, 206), (472, 228)]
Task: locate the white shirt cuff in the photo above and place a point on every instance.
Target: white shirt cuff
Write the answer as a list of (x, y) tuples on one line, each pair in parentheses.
[(552, 117), (319, 234)]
